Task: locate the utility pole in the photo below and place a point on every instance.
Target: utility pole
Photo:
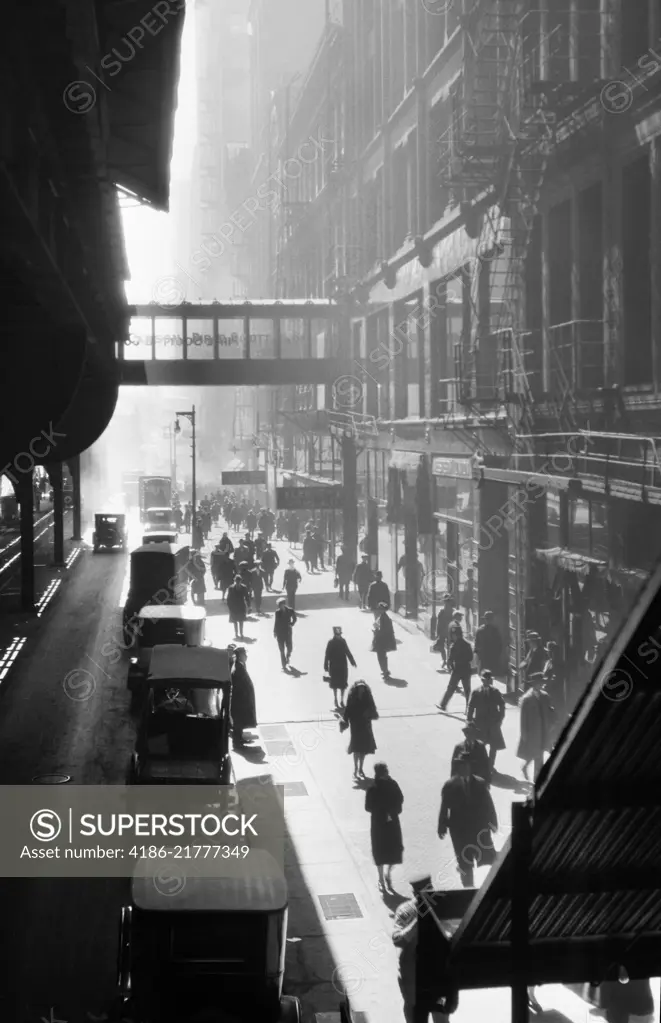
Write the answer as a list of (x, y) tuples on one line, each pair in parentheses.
[(195, 531)]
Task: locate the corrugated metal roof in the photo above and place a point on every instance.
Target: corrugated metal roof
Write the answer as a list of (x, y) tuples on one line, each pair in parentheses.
[(594, 863)]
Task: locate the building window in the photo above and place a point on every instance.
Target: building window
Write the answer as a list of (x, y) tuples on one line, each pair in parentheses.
[(560, 268), (588, 532), (635, 31), (553, 519)]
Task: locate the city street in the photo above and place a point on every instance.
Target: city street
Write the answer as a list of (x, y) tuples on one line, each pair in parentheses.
[(65, 710)]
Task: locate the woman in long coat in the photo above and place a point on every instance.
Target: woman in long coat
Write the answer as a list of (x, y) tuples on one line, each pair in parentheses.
[(238, 600), (336, 664), (359, 713), (537, 726), (243, 710), (384, 801)]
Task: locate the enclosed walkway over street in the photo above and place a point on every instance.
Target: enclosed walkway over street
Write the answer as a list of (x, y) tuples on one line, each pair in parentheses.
[(236, 344)]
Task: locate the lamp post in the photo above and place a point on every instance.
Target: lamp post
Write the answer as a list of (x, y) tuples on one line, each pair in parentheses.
[(177, 429)]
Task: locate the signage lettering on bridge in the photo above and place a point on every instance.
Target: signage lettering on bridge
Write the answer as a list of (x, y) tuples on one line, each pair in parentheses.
[(309, 498), (246, 478)]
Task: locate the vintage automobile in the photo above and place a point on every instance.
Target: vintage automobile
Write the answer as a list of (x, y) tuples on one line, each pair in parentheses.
[(205, 947), (183, 736), (109, 532), (160, 520), (162, 536), (160, 624), (159, 575)]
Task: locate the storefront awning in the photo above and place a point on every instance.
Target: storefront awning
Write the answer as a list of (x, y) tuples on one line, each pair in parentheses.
[(569, 560)]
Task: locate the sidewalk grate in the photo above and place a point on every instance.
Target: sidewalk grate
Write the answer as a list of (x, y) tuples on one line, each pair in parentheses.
[(340, 907), (280, 749), (294, 788), (270, 732)]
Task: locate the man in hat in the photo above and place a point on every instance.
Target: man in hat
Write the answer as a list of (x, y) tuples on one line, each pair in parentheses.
[(378, 593), (290, 582), (270, 561), (535, 659), (468, 813), (362, 578), (537, 721), (424, 951), (486, 710), (383, 641), (489, 645), (455, 628), (442, 625), (460, 663), (283, 626), (476, 750)]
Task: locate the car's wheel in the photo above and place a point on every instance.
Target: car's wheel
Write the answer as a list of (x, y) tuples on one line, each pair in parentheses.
[(290, 1010)]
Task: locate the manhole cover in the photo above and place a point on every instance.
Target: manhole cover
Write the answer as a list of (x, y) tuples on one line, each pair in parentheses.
[(51, 779), (294, 788), (340, 907), (279, 749), (270, 732)]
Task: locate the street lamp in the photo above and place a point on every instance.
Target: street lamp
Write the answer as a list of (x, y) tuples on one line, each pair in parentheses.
[(177, 429)]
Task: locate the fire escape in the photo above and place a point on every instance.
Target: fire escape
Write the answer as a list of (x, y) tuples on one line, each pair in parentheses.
[(498, 144)]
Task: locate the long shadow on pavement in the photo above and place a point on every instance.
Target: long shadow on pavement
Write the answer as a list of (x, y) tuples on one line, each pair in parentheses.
[(396, 683)]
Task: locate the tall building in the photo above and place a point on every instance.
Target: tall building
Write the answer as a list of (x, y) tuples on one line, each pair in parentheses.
[(495, 190)]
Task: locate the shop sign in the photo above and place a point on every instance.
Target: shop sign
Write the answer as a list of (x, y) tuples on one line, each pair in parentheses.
[(461, 467), (245, 478), (309, 498), (405, 459)]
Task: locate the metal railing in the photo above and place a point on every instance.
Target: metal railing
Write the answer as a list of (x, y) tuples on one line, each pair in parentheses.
[(614, 457)]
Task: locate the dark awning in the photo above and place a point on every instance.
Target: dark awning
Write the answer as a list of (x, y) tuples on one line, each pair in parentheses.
[(141, 44), (590, 873)]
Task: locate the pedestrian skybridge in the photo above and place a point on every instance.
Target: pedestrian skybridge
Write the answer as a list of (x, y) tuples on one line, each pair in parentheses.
[(237, 344)]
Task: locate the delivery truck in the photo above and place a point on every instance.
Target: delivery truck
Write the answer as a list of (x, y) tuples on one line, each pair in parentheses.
[(155, 492)]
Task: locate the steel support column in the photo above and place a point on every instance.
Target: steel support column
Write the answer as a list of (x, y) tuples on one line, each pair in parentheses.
[(411, 580), (520, 943), (55, 476), (350, 509), (74, 469), (25, 495)]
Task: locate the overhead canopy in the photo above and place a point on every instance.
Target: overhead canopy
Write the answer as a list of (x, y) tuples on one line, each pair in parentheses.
[(587, 860), (141, 41)]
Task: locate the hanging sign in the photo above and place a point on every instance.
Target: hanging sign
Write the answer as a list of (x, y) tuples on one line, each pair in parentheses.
[(460, 467)]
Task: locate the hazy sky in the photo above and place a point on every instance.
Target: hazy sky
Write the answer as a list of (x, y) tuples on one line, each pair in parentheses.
[(149, 240)]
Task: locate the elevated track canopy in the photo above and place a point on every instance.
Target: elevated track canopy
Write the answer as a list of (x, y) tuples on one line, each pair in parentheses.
[(238, 344)]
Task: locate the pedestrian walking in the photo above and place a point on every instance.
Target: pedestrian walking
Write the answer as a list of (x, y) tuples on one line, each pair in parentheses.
[(477, 752), (270, 562), (251, 523), (486, 710), (555, 679), (423, 981), (468, 814), (362, 578), (225, 545), (384, 801), (455, 628), (290, 582), (460, 663), (535, 659), (284, 621), (383, 639), (238, 603), (198, 585), (627, 1003), (225, 571), (344, 570), (337, 659), (468, 599), (442, 625), (378, 593), (293, 529), (310, 552), (537, 724), (489, 645), (319, 548), (257, 582), (243, 710), (359, 713)]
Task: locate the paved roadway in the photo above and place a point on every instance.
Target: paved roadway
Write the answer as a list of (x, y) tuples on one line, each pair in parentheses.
[(65, 710)]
